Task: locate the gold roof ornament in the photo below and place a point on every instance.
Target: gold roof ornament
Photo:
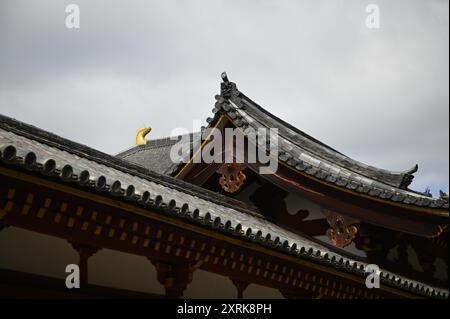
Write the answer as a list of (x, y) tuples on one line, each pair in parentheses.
[(139, 138)]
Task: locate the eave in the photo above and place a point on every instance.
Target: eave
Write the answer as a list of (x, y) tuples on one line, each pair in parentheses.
[(412, 219)]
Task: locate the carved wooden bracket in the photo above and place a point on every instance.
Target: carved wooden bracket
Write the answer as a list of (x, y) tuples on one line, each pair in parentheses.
[(85, 251), (175, 277), (342, 231), (240, 286), (233, 177)]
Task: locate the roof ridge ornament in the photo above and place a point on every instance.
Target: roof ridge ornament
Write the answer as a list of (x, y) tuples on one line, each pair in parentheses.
[(224, 77), (139, 137), (228, 89), (427, 192), (408, 177), (443, 196)]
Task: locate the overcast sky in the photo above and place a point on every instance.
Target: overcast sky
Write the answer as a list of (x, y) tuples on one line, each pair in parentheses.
[(378, 95)]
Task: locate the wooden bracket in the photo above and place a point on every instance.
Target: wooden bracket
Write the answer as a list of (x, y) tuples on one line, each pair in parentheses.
[(233, 177), (174, 276), (342, 231), (240, 286)]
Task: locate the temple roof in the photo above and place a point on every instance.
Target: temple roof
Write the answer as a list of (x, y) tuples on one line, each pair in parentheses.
[(297, 150), (297, 142), (309, 156), (155, 155), (30, 149)]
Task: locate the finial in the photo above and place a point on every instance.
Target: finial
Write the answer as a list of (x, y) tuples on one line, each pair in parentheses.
[(140, 135), (225, 77), (443, 195), (428, 192), (408, 177)]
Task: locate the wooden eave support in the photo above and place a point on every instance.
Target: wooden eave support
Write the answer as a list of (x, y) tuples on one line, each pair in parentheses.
[(240, 287), (84, 253), (174, 276)]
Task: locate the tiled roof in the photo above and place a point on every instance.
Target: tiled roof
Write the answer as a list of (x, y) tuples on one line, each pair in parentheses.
[(305, 154), (28, 148), (155, 155)]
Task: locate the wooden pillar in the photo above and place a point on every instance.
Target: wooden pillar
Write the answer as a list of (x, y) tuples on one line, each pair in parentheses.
[(174, 276), (84, 252), (240, 286)]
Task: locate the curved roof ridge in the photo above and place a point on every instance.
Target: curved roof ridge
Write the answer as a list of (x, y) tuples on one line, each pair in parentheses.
[(399, 179), (337, 169), (155, 143)]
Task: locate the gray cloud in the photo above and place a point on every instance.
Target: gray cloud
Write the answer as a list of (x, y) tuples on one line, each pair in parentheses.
[(379, 96)]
